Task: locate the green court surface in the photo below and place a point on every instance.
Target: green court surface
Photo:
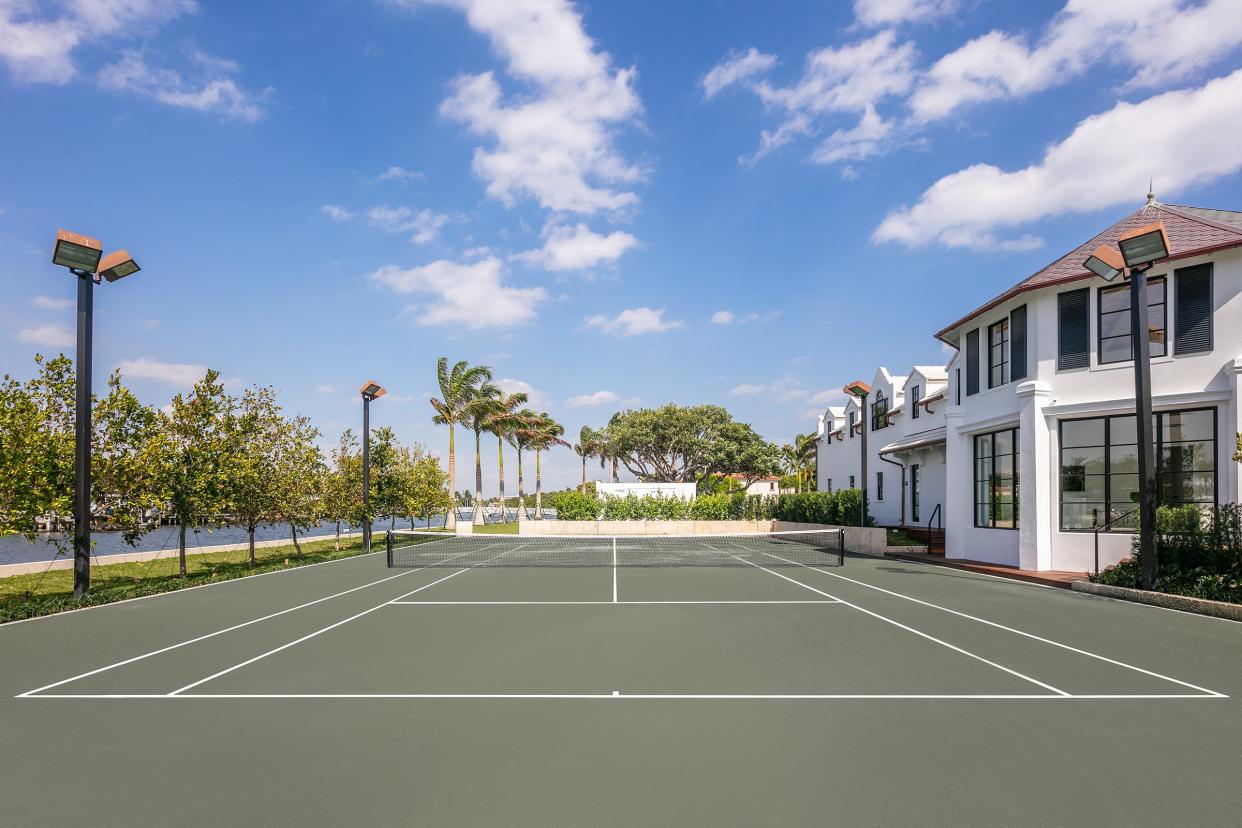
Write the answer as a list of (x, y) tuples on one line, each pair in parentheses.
[(874, 693)]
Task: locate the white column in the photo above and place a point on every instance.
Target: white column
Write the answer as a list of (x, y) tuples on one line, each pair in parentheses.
[(1036, 468), (958, 483)]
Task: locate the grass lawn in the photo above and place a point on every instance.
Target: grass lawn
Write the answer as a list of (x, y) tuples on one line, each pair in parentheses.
[(510, 528), (30, 595), (896, 537)]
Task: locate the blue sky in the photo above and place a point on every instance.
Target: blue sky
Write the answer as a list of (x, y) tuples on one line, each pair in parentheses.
[(613, 204)]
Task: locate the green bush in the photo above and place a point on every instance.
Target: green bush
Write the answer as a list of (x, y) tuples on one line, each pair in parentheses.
[(575, 505), (712, 507), (811, 507)]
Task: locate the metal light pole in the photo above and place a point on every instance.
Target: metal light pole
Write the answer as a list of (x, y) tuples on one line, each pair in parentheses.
[(860, 390), (84, 258), (1139, 248), (370, 390)]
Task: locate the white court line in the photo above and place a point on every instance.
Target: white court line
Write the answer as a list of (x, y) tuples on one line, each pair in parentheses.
[(616, 694), (585, 603), (614, 570), (1009, 629), (29, 693), (920, 633), (322, 630)]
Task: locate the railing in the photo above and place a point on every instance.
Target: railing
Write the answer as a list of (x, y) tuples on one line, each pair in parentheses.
[(935, 515), (1099, 529)]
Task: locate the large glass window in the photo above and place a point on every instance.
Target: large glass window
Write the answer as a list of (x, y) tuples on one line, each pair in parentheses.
[(998, 354), (1114, 321), (915, 396), (879, 412), (996, 479), (852, 420), (1099, 467)]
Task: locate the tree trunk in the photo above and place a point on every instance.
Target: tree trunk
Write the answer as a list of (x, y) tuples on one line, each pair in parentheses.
[(521, 490), (584, 459), (450, 518), (538, 488), (250, 536), (392, 522), (478, 482), (616, 476), (500, 460), (337, 545), (181, 548), (296, 546)]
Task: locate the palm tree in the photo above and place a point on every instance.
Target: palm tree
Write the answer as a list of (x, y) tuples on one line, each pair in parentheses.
[(503, 421), (588, 446), (477, 414), (805, 450), (457, 388), (520, 437), (547, 434)]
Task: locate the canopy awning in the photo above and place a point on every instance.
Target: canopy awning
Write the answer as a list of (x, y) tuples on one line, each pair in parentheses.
[(923, 439)]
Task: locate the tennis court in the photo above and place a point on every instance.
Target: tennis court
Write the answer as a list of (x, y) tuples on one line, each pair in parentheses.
[(515, 680)]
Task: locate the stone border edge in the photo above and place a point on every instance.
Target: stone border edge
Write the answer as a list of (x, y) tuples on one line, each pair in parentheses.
[(1185, 603)]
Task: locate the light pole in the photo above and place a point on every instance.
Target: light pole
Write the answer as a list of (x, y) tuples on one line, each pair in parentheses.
[(85, 260), (859, 390), (370, 390), (1139, 249)]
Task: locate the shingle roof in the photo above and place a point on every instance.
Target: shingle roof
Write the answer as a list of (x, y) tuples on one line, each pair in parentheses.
[(1192, 231)]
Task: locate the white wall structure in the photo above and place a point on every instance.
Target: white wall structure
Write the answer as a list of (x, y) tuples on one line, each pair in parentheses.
[(683, 490), (1040, 415), (911, 452)]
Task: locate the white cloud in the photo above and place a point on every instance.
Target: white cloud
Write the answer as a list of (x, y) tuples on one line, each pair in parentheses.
[(326, 389), (1183, 137), (176, 374), (336, 213), (473, 294), (534, 396), (554, 142), (396, 173), (48, 336), (577, 248), (893, 12), (1188, 36), (51, 303), (728, 317), (736, 67), (424, 224), (839, 81), (598, 398), (832, 396), (633, 322), (784, 389), (39, 49), (747, 390), (212, 90)]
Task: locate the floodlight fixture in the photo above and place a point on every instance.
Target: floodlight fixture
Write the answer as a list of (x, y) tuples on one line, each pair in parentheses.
[(1144, 245), (1106, 263), (372, 390), (76, 252), (858, 388), (117, 265)]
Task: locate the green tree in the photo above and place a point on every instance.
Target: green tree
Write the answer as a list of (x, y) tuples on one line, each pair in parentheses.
[(502, 422), (387, 476), (545, 435), (341, 490), (253, 485), (302, 473), (478, 413), (36, 447), (588, 446), (191, 456), (427, 494), (458, 386), (122, 489), (520, 437)]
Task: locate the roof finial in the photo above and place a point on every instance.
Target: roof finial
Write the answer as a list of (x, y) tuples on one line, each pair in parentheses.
[(1151, 196)]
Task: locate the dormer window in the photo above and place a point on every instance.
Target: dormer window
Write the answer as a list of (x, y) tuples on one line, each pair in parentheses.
[(879, 412), (916, 394)]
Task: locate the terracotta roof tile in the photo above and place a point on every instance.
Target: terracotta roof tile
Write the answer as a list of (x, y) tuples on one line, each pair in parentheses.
[(1192, 230)]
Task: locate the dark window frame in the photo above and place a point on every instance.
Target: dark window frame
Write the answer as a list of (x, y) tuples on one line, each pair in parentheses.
[(1003, 362), (879, 412), (1158, 429), (915, 393), (993, 482), (879, 485), (1063, 363), (915, 482), (1178, 333), (1100, 313)]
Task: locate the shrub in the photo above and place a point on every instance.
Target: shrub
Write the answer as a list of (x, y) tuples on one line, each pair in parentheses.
[(808, 507), (575, 505), (711, 507)]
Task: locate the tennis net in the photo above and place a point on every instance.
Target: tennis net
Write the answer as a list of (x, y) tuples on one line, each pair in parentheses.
[(807, 547)]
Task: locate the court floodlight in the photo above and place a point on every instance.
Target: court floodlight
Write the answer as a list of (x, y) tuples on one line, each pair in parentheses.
[(117, 265), (372, 390), (1106, 263), (1144, 245), (76, 252)]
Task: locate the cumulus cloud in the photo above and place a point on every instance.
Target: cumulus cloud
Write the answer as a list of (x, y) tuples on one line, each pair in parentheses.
[(176, 374), (52, 303), (37, 47), (212, 89), (472, 294), (783, 389), (396, 173), (728, 317), (633, 322), (336, 213), (893, 12), (577, 248), (553, 142), (48, 336), (598, 398), (997, 65), (424, 224), (1186, 137), (736, 67), (747, 390), (534, 396)]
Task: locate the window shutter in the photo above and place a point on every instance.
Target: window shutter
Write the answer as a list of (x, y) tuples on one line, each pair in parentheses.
[(1017, 343), (1074, 329), (972, 363), (1193, 315)]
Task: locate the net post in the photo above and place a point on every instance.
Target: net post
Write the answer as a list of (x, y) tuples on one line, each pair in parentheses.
[(388, 547), (841, 547)]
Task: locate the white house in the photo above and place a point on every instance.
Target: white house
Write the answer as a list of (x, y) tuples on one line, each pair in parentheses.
[(1040, 431)]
